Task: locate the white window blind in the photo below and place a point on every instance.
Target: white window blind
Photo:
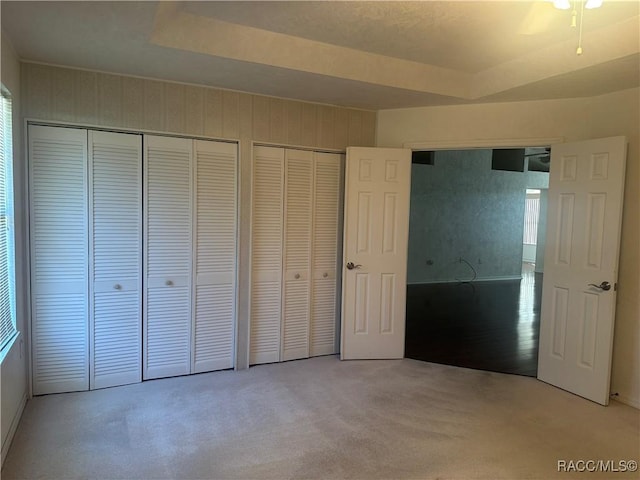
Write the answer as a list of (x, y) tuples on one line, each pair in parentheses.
[(7, 257), (531, 215)]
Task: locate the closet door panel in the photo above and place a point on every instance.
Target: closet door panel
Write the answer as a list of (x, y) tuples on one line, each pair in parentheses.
[(167, 322), (59, 259), (167, 335), (115, 164), (117, 353), (297, 252), (266, 254), (326, 210), (215, 255)]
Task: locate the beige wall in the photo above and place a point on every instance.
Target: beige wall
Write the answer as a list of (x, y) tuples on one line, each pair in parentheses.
[(574, 119), (100, 99), (13, 369)]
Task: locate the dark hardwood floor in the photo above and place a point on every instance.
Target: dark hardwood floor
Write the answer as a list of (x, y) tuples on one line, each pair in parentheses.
[(483, 325)]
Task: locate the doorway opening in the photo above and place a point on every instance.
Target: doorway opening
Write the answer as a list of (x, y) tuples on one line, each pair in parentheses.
[(474, 277)]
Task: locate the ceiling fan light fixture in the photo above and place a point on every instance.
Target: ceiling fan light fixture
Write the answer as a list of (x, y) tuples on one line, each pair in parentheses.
[(575, 22), (562, 4)]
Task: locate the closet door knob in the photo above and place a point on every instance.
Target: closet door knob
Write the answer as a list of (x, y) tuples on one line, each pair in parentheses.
[(168, 283), (325, 274), (296, 276), (117, 286)]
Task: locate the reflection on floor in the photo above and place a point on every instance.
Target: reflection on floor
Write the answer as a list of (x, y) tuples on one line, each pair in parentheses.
[(484, 325)]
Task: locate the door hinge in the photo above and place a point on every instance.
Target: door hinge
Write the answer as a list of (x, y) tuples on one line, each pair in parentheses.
[(615, 287)]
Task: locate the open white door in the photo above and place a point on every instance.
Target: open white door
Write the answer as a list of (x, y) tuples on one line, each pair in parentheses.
[(376, 229), (586, 187)]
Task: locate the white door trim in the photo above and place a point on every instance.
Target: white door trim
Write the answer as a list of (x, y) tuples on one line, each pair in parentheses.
[(483, 143)]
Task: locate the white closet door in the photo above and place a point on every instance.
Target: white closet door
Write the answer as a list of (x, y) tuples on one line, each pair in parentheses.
[(326, 211), (59, 259), (215, 255), (167, 302), (266, 254), (115, 173), (297, 253)]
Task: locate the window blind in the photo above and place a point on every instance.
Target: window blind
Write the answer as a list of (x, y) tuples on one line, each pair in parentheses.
[(531, 215), (7, 257)]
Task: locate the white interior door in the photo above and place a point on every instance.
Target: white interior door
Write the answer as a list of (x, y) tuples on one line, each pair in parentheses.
[(586, 187), (324, 258), (167, 294), (115, 181), (266, 254), (59, 259), (215, 225), (376, 228), (298, 202)]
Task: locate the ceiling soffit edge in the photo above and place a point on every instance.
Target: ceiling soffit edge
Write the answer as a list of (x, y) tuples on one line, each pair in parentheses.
[(223, 39), (600, 46), (218, 38)]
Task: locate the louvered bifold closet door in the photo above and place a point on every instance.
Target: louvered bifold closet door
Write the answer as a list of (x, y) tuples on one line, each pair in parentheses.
[(59, 259), (266, 254), (297, 253), (215, 255), (115, 173), (167, 292), (326, 210)]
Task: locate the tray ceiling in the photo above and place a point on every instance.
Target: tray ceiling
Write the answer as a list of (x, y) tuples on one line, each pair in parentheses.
[(372, 55)]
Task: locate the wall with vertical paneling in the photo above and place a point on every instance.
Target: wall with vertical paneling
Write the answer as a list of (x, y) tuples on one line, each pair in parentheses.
[(92, 98), (60, 94)]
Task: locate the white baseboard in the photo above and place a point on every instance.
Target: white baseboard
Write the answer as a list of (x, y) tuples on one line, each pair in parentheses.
[(632, 402), (12, 429), (480, 279)]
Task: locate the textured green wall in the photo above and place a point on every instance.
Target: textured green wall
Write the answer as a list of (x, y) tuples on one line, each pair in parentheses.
[(460, 208)]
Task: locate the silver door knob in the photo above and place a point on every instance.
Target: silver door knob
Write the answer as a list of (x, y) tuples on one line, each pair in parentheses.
[(117, 286), (606, 286), (168, 283), (351, 266), (296, 276)]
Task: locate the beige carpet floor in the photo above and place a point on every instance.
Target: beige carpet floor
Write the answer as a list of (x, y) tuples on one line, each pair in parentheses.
[(322, 418)]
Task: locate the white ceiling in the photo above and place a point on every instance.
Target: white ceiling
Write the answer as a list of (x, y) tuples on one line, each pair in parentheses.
[(373, 55)]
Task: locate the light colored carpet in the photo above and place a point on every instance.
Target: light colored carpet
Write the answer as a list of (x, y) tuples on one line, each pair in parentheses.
[(322, 418)]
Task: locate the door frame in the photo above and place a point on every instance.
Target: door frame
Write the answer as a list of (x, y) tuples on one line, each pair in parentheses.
[(486, 143)]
